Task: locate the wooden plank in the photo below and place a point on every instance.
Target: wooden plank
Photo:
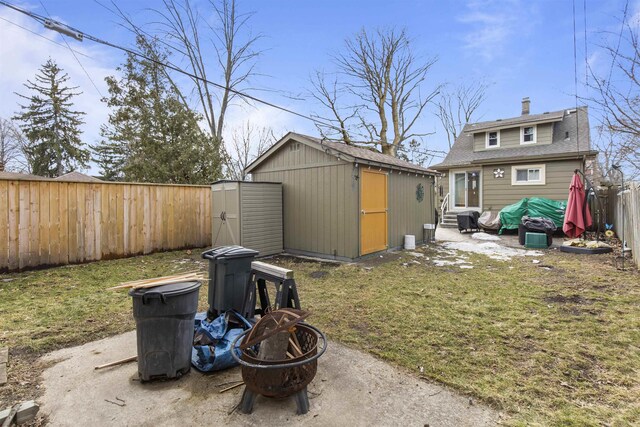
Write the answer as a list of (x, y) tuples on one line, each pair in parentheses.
[(34, 221), (63, 213), (72, 223), (54, 223), (271, 269), (43, 225), (126, 219), (146, 231), (4, 355), (14, 224), (82, 221), (139, 219), (25, 411), (96, 190), (4, 224), (90, 227), (120, 218), (23, 230), (3, 373), (105, 231)]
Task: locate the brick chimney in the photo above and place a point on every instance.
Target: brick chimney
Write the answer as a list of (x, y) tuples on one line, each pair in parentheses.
[(526, 104)]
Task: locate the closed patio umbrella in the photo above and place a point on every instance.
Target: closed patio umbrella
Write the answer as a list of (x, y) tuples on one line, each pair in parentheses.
[(577, 216)]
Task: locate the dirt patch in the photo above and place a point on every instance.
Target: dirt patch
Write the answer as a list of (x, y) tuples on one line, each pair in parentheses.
[(571, 299), (318, 274), (377, 260)]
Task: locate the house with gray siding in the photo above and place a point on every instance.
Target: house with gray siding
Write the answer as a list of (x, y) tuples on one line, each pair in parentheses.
[(344, 201), (495, 163)]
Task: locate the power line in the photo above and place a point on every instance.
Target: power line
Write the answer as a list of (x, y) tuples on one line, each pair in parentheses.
[(575, 74), (166, 64), (40, 35), (74, 55), (80, 35)]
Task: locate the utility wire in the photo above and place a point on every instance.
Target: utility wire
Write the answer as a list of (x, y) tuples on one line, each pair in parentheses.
[(170, 66), (575, 74), (74, 55), (40, 35)]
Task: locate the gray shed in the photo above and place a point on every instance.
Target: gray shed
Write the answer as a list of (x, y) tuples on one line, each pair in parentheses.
[(343, 201), (247, 214)]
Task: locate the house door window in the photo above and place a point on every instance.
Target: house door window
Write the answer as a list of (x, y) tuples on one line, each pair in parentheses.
[(466, 189), (459, 192)]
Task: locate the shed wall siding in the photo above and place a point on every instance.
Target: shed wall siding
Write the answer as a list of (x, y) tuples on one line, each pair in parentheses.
[(498, 193), (320, 196), (407, 215), (261, 217)]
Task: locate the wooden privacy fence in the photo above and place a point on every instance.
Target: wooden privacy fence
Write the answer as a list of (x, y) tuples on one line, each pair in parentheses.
[(45, 222), (627, 204)]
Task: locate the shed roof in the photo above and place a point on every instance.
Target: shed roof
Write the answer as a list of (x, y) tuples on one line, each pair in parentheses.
[(77, 177), (352, 153), (462, 153), (21, 176)]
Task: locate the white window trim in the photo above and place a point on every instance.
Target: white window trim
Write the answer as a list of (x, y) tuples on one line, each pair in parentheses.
[(486, 140), (543, 177), (535, 135)]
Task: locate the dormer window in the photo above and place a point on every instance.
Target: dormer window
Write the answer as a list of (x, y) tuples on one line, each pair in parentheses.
[(528, 135), (493, 139)]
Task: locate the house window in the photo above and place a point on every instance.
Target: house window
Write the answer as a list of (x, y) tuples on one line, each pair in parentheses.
[(528, 175), (493, 139), (528, 135)]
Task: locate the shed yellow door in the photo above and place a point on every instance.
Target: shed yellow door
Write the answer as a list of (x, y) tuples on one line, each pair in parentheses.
[(373, 212)]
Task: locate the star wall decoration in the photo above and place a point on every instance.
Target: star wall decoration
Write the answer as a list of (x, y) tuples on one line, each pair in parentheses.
[(498, 173)]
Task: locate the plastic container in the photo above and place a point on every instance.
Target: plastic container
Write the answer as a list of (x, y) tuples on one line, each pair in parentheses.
[(164, 328), (522, 234), (409, 241), (229, 270), (536, 241)]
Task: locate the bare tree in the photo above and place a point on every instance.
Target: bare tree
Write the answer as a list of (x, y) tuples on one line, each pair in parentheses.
[(457, 106), (247, 144), (196, 33), (618, 98), (380, 71), (11, 143)]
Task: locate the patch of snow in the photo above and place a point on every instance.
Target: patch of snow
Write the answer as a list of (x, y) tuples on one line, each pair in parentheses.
[(484, 236), (466, 266), (416, 254), (490, 249), (439, 262), (535, 261)]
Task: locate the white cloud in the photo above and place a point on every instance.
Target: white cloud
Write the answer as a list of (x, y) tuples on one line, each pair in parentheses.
[(23, 53), (493, 24)]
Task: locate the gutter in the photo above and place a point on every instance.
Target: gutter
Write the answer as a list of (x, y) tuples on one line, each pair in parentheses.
[(562, 156)]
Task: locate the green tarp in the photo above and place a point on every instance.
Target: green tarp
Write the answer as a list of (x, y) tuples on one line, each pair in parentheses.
[(510, 216), (546, 208)]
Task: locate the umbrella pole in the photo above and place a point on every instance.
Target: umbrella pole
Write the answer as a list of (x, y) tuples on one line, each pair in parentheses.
[(589, 191)]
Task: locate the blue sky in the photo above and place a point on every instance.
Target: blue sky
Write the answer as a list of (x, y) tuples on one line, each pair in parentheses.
[(523, 48)]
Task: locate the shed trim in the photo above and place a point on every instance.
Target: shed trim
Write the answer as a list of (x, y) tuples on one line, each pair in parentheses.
[(341, 155)]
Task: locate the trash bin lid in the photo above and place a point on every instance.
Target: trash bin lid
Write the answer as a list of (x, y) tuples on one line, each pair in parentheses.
[(229, 252), (171, 290)]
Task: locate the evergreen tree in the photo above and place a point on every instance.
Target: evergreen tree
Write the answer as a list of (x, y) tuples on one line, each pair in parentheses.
[(151, 135), (50, 124)]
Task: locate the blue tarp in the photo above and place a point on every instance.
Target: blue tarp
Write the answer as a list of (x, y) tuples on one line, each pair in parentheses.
[(212, 341)]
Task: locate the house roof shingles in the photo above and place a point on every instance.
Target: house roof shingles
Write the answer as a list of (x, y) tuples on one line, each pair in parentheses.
[(462, 154)]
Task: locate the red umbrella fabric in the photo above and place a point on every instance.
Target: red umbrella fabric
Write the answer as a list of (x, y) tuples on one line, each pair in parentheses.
[(576, 217)]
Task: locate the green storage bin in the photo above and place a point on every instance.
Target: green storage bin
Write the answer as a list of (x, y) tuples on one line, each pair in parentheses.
[(535, 240)]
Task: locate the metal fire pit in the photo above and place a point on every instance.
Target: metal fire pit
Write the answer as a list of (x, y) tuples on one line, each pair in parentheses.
[(281, 378)]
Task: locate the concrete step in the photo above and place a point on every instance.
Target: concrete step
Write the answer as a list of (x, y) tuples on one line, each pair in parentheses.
[(448, 225)]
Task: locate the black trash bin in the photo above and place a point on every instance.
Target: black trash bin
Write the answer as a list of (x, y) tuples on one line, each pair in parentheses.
[(164, 328), (229, 270)]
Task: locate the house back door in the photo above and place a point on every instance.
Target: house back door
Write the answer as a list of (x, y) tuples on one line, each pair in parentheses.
[(373, 212), (473, 189)]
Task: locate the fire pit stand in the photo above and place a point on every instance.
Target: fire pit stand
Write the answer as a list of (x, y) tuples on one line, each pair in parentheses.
[(281, 378)]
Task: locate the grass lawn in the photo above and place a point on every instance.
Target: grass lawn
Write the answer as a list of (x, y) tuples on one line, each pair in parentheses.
[(556, 343)]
